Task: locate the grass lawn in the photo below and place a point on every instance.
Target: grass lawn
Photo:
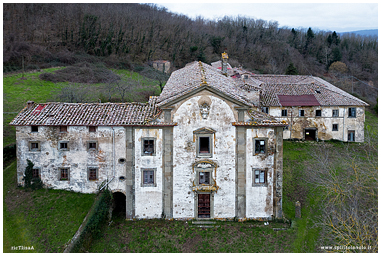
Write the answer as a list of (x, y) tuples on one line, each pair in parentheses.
[(44, 219)]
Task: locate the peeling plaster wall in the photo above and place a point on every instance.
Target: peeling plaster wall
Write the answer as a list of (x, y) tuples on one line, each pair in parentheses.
[(220, 118), (148, 200), (259, 198), (323, 124), (78, 158)]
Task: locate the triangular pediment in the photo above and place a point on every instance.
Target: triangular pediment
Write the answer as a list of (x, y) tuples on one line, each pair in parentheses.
[(204, 130)]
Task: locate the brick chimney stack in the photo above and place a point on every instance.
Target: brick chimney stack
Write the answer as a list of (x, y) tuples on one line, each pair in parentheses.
[(225, 63)]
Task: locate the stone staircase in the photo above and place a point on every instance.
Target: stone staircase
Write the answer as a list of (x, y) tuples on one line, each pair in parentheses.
[(203, 224)]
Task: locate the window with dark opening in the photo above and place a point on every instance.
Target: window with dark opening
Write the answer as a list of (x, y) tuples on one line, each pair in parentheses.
[(265, 110), (63, 145), (284, 112), (301, 112), (260, 146), (92, 128), (34, 128), (64, 174), (259, 176), (92, 145), (318, 112), (351, 135), (204, 145), (335, 112), (63, 128), (35, 173), (92, 173), (148, 177), (352, 112), (148, 147), (204, 178), (34, 146), (335, 127)]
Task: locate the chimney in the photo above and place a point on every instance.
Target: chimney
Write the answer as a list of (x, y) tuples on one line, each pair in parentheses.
[(29, 104), (224, 62)]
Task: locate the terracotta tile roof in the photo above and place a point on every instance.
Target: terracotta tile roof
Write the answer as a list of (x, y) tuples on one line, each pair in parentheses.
[(325, 93), (90, 114), (298, 100), (259, 118), (198, 74)]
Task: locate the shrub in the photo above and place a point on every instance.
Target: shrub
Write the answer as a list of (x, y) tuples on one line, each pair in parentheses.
[(30, 182)]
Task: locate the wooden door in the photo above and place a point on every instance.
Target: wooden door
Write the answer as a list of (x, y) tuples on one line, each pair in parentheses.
[(204, 205)]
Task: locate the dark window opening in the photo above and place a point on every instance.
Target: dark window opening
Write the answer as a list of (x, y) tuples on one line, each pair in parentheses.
[(64, 174), (34, 128), (284, 112), (204, 178), (204, 145), (148, 177), (92, 145), (352, 112), (310, 134), (351, 135), (92, 128), (92, 174), (259, 177), (301, 112), (34, 145), (119, 205), (260, 146), (148, 147), (35, 173), (121, 160), (265, 110), (335, 127), (335, 112), (318, 112), (63, 145), (63, 128)]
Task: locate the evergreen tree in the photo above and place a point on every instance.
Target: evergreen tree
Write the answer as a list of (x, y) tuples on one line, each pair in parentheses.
[(291, 70), (30, 182)]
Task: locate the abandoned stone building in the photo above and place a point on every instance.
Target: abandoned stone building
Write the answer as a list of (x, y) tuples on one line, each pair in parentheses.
[(202, 149)]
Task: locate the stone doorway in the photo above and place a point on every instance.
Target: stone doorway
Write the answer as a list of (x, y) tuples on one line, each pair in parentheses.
[(203, 205), (310, 134), (119, 204)]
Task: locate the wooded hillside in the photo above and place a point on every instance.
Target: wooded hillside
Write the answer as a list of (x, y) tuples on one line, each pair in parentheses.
[(43, 35)]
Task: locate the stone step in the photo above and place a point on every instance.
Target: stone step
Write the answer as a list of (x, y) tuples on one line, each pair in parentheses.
[(202, 222)]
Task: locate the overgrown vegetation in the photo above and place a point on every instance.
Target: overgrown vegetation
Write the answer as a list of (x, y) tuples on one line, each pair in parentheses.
[(31, 182), (45, 219), (96, 223)]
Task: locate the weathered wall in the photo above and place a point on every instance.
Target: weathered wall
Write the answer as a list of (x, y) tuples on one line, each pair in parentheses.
[(259, 198), (78, 158), (323, 124), (148, 200), (187, 115)]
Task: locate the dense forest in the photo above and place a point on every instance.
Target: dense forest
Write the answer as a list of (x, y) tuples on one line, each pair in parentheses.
[(43, 35)]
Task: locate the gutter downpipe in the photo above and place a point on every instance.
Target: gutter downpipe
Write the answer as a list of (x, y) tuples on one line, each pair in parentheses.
[(113, 158), (344, 125)]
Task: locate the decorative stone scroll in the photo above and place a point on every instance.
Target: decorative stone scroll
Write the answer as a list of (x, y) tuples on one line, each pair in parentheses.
[(204, 110)]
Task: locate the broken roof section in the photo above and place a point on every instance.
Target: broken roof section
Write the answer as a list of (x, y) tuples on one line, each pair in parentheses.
[(325, 93), (90, 114)]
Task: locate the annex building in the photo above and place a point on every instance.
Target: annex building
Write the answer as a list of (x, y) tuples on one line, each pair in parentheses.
[(202, 149)]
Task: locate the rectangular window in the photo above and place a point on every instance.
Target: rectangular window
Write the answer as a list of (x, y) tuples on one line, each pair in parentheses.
[(63, 128), (34, 146), (35, 173), (92, 128), (301, 112), (335, 113), (148, 178), (260, 146), (259, 177), (34, 129), (352, 112), (351, 135), (92, 145), (63, 146), (335, 127), (265, 110), (318, 112), (284, 112), (148, 147), (64, 174), (204, 145), (204, 178), (92, 173)]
